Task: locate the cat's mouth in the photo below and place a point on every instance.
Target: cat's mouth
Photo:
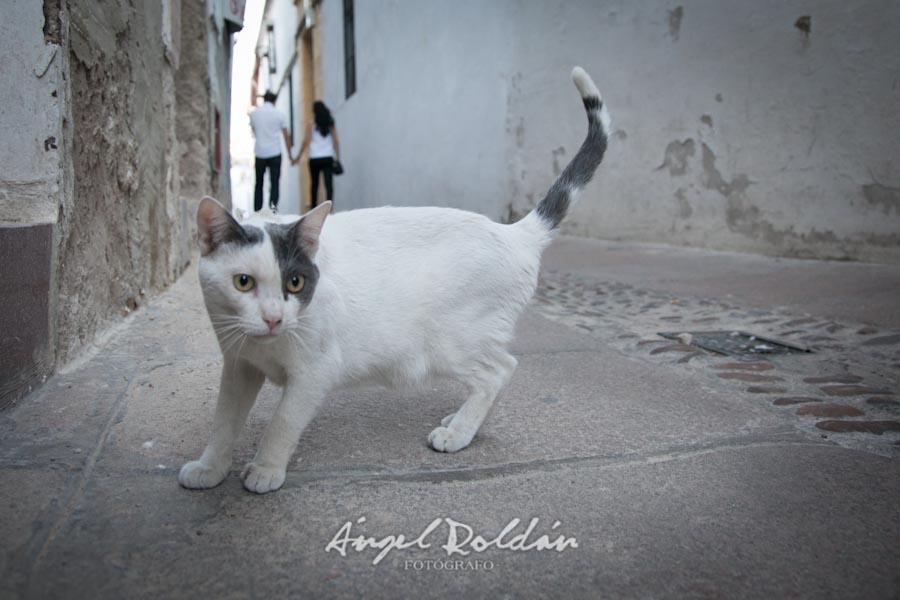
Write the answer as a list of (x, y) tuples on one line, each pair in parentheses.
[(267, 336)]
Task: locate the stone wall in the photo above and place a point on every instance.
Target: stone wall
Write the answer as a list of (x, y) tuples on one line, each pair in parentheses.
[(102, 166), (193, 120), (124, 165)]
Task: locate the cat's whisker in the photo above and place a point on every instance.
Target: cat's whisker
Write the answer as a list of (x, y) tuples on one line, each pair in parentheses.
[(225, 334), (298, 341), (224, 330), (298, 330), (238, 353), (231, 339), (224, 319), (292, 342)]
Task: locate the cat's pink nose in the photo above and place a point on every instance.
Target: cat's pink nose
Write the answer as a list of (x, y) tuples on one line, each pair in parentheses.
[(272, 322)]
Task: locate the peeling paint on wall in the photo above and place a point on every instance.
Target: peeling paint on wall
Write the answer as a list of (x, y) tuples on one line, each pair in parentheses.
[(676, 156), (684, 207), (713, 179), (804, 24), (745, 218), (748, 220), (883, 197), (53, 22), (520, 133), (675, 17)]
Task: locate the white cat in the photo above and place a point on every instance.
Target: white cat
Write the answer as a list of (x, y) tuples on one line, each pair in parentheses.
[(392, 296)]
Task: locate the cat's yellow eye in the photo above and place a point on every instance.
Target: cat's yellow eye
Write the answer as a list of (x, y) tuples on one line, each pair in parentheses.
[(295, 284), (243, 283)]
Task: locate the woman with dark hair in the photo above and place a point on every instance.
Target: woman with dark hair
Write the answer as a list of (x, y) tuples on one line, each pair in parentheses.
[(324, 150)]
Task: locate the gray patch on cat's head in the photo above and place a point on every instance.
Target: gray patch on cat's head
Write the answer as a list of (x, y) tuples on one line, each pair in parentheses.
[(252, 235), (240, 236), (293, 259), (216, 227), (231, 232)]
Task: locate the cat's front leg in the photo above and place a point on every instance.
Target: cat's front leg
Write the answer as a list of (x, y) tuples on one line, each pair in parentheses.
[(238, 389), (298, 405)]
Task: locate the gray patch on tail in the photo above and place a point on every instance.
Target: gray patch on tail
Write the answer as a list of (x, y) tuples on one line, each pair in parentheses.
[(578, 173)]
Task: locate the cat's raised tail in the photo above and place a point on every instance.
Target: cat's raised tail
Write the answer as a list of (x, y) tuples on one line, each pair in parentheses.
[(553, 208)]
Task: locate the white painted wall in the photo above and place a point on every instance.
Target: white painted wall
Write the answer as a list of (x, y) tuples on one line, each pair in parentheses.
[(220, 67), (790, 132), (32, 106), (284, 15), (778, 142), (426, 124)]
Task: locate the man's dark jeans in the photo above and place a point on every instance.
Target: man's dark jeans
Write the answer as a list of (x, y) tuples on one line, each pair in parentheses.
[(274, 166)]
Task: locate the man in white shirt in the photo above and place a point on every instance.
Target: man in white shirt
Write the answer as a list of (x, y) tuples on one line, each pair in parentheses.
[(267, 122)]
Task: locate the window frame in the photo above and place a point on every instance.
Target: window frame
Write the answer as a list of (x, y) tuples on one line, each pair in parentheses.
[(349, 49)]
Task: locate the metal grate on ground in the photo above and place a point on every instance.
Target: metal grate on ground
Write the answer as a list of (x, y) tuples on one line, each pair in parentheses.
[(735, 343)]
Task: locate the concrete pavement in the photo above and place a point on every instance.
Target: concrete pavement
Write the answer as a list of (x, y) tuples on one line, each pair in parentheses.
[(677, 472)]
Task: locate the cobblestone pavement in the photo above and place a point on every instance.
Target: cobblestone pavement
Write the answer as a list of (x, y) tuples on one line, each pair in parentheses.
[(845, 389)]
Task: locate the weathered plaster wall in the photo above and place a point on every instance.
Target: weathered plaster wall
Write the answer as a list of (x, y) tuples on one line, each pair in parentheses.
[(32, 109), (735, 128), (34, 188)]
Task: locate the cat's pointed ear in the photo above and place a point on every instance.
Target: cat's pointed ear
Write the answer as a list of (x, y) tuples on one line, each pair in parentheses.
[(215, 226), (310, 226)]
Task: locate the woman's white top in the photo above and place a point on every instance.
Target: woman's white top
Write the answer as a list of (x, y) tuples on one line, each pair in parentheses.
[(321, 146)]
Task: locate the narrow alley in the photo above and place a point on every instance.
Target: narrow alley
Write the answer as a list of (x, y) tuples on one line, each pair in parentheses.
[(680, 473), (701, 398)]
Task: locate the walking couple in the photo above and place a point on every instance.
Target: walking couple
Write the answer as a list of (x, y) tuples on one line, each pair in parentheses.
[(320, 137)]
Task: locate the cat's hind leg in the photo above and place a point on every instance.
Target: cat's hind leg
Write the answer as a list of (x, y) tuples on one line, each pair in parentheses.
[(485, 382)]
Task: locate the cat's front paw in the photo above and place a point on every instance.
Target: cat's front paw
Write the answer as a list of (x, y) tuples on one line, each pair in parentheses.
[(197, 476), (262, 480), (444, 439)]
